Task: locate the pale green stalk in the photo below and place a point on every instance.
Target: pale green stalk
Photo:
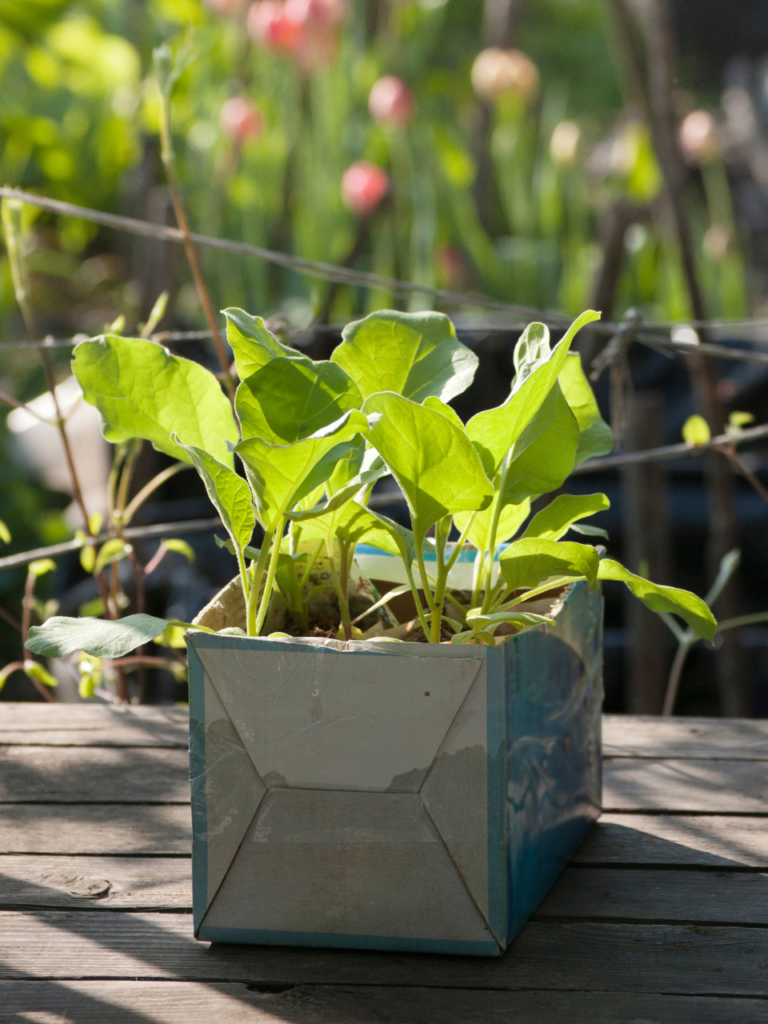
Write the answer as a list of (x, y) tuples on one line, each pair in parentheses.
[(493, 532), (339, 584), (257, 574)]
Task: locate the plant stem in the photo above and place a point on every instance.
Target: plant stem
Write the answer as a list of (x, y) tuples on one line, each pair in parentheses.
[(339, 582), (42, 689), (257, 575), (676, 671), (493, 532), (265, 597)]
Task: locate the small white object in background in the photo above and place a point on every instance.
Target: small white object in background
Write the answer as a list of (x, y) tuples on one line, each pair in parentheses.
[(40, 447)]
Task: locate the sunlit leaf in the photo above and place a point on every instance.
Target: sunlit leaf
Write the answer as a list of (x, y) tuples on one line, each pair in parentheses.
[(595, 438), (688, 606), (543, 456), (34, 670), (229, 493), (494, 431), (180, 547), (554, 521), (289, 399), (253, 344), (431, 458), (111, 551), (5, 533), (280, 475), (141, 390), (532, 561), (40, 567), (696, 430), (412, 354)]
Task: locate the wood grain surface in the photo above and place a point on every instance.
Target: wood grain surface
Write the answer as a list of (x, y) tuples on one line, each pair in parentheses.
[(662, 916)]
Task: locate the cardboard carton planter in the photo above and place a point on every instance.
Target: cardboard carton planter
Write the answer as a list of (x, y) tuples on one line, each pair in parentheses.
[(419, 797)]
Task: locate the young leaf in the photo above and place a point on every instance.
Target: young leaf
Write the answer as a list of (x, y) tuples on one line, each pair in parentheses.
[(431, 458), (229, 493), (530, 562), (688, 606), (103, 638), (554, 521), (34, 670), (696, 430), (113, 550), (288, 399), (252, 343), (513, 617), (180, 547), (141, 390), (595, 438), (511, 519), (532, 350), (494, 431), (5, 533), (40, 567), (280, 475), (544, 453), (412, 354)]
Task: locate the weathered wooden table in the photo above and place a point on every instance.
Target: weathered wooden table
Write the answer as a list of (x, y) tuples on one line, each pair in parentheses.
[(663, 915)]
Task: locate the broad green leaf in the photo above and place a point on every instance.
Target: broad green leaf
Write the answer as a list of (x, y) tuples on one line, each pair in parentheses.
[(688, 606), (412, 354), (35, 670), (511, 519), (113, 550), (349, 522), (530, 562), (696, 430), (543, 456), (288, 399), (554, 521), (494, 431), (436, 403), (431, 458), (5, 533), (281, 475), (591, 531), (229, 493), (595, 438), (254, 346), (103, 638), (141, 390)]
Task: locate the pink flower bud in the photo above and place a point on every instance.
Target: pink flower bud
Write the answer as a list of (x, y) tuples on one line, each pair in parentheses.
[(241, 119), (363, 186), (496, 72), (270, 27), (391, 101), (452, 268), (699, 137)]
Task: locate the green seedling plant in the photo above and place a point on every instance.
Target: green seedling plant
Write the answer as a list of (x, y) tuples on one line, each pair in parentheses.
[(294, 459)]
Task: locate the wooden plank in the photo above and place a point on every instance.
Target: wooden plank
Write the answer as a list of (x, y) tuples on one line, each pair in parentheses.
[(652, 736), (93, 725), (95, 829), (651, 958), (709, 787), (700, 897), (86, 774), (96, 883), (132, 883), (173, 1002), (676, 840)]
